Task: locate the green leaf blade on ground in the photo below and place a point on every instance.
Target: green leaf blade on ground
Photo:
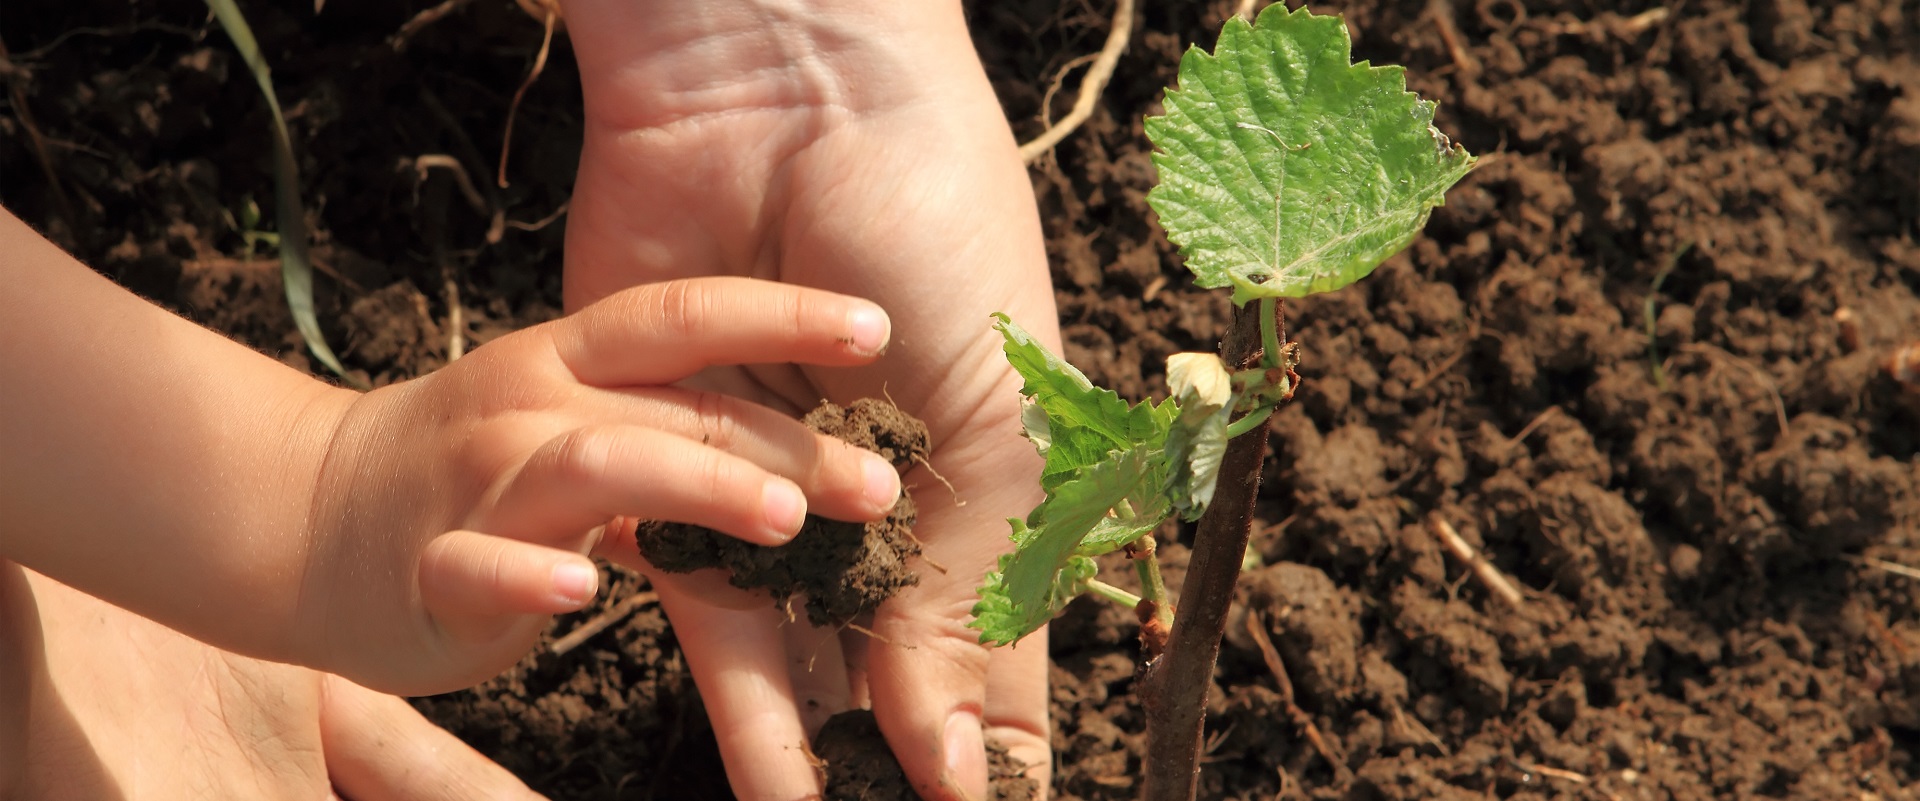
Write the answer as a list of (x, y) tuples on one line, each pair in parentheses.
[(296, 264), (1287, 170)]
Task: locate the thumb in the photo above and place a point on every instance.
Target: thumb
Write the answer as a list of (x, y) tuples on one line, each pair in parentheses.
[(928, 673), (927, 679)]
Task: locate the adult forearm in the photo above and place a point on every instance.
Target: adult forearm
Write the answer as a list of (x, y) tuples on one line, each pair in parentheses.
[(148, 461), (697, 57)]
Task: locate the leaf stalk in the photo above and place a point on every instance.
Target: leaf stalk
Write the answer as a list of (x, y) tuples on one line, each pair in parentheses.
[(1258, 418), (1270, 332), (1111, 593)]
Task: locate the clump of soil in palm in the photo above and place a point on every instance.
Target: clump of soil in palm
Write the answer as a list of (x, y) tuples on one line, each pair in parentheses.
[(860, 767), (843, 569)]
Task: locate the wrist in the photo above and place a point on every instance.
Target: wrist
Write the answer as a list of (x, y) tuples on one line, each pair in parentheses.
[(689, 58)]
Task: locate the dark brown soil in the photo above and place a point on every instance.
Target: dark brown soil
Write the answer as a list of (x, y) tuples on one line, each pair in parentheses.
[(860, 767), (842, 570), (1702, 615)]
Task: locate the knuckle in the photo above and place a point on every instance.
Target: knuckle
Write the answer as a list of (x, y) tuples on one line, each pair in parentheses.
[(583, 455), (828, 457), (680, 307), (719, 478), (492, 567), (802, 312), (713, 417)]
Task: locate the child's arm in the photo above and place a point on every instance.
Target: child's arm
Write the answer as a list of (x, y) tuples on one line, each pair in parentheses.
[(412, 538), (146, 460)]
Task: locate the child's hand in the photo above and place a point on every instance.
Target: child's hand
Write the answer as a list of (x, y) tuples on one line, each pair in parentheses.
[(453, 512)]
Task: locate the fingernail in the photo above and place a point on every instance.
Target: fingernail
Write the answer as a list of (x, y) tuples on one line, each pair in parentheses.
[(575, 583), (966, 755), (867, 329), (883, 483), (784, 507)]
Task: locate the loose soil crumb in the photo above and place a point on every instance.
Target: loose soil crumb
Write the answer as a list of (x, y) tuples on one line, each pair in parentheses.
[(860, 767), (843, 570)]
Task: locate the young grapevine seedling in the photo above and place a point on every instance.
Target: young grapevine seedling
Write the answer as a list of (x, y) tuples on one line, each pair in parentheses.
[(1285, 170)]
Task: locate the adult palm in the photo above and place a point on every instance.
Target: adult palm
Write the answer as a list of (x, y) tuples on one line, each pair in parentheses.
[(855, 147)]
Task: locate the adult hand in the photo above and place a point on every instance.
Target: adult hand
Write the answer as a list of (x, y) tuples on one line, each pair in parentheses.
[(111, 705), (857, 147)]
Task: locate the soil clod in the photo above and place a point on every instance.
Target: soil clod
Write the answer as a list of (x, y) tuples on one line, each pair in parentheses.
[(860, 767), (843, 570)]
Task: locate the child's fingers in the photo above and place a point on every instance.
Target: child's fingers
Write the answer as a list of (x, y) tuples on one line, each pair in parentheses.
[(473, 579), (614, 542), (841, 481), (661, 333), (583, 478)]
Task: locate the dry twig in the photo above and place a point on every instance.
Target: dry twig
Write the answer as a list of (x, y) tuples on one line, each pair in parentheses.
[(874, 635), (1531, 425), (549, 18), (605, 620), (437, 235), (496, 218), (1158, 283), (1090, 86), (1060, 82), (1558, 773), (398, 41), (543, 221), (1489, 576), (957, 502), (1258, 629), (1442, 13), (1635, 25), (923, 550), (1891, 567)]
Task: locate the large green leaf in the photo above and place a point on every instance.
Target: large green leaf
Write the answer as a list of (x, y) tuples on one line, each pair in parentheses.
[(1286, 169)]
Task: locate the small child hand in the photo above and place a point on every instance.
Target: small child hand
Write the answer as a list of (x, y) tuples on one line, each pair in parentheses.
[(454, 512)]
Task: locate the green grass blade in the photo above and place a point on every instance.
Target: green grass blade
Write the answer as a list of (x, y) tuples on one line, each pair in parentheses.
[(296, 267)]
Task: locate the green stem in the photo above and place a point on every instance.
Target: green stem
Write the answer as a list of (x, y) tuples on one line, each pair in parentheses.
[(1249, 422), (1153, 587), (1270, 331), (1653, 336), (1112, 593)]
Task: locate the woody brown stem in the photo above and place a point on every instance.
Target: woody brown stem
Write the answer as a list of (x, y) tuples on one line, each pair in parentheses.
[(1174, 688)]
